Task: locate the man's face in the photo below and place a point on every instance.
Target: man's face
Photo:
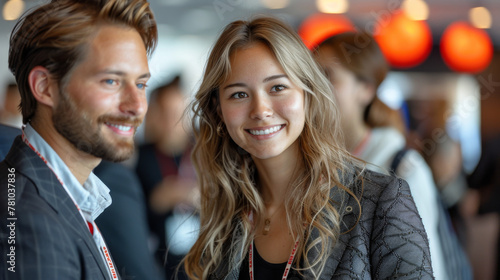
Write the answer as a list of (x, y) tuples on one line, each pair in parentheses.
[(104, 101)]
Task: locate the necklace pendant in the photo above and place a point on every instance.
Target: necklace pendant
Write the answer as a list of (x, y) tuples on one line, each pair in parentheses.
[(267, 226)]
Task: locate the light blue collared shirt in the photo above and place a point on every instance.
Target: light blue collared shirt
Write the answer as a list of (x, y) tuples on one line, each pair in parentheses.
[(92, 199)]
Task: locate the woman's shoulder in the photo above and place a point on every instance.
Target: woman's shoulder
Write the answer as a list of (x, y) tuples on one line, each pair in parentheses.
[(371, 183), (370, 191), (376, 191)]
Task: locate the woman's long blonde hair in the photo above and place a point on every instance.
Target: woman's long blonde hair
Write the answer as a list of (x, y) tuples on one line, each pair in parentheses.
[(227, 173)]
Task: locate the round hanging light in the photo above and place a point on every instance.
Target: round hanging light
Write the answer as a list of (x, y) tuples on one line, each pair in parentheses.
[(13, 9), (404, 42), (465, 48), (332, 6), (480, 17), (319, 27)]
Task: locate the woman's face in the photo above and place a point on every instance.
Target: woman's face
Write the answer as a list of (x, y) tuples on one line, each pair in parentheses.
[(262, 109)]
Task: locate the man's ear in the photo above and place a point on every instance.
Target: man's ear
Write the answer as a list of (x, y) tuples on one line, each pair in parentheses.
[(41, 86)]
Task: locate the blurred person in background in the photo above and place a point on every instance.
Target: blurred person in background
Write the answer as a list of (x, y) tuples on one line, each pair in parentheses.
[(168, 177), (10, 114), (124, 223), (11, 118), (375, 133), (482, 211), (7, 136)]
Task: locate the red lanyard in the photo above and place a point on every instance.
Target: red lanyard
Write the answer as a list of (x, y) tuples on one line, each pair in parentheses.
[(288, 264), (91, 225)]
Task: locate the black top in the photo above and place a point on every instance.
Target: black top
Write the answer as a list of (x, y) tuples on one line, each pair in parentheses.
[(264, 270)]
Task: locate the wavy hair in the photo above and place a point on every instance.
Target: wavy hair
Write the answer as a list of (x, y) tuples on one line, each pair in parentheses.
[(55, 36), (227, 173)]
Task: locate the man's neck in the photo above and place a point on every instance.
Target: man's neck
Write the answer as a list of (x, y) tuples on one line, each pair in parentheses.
[(79, 163)]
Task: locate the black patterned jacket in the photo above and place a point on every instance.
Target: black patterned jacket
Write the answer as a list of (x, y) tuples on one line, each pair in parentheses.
[(389, 241)]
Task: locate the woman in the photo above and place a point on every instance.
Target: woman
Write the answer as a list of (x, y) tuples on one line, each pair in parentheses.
[(374, 132), (281, 197)]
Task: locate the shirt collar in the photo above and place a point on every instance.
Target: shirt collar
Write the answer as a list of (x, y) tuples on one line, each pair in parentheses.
[(92, 198)]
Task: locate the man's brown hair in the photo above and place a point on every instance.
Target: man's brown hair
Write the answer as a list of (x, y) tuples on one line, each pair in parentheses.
[(56, 34)]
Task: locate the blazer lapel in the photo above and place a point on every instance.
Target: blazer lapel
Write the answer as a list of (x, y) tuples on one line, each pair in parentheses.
[(229, 268), (349, 210), (28, 163)]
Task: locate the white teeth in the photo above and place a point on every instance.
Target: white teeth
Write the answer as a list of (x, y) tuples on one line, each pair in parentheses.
[(121, 127), (265, 132)]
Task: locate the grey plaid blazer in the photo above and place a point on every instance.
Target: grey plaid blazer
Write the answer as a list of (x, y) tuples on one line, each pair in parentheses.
[(52, 240), (388, 242)]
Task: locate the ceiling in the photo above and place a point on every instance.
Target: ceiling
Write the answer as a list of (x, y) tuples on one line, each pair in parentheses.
[(207, 17)]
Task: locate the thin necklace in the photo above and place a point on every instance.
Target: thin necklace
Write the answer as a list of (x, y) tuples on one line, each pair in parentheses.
[(288, 264), (267, 222)]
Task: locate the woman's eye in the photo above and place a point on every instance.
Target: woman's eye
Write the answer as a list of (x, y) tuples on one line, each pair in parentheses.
[(278, 88), (141, 86), (239, 95)]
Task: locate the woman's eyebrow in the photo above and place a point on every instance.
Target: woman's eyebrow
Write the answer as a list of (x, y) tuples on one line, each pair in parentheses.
[(267, 79), (274, 77)]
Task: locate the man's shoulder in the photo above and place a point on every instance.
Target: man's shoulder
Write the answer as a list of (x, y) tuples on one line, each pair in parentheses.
[(25, 177), (20, 155), (17, 188), (26, 162)]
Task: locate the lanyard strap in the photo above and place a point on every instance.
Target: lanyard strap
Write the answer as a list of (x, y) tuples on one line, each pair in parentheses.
[(288, 264), (96, 234)]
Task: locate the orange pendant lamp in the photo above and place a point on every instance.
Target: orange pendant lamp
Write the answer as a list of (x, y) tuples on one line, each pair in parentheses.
[(405, 42), (465, 48), (319, 27)]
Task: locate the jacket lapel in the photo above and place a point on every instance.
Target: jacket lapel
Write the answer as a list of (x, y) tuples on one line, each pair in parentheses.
[(28, 163), (349, 211)]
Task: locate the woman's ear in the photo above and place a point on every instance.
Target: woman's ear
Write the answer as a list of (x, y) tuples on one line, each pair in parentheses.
[(41, 85), (216, 103)]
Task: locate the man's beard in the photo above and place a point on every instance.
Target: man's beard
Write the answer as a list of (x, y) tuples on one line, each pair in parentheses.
[(86, 135)]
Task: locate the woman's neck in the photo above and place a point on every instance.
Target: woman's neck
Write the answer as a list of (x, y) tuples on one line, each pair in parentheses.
[(275, 177)]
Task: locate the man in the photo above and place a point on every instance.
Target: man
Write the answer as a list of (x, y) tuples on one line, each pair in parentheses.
[(81, 68)]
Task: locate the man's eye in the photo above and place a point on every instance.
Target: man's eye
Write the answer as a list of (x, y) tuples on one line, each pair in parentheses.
[(110, 82), (141, 86)]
